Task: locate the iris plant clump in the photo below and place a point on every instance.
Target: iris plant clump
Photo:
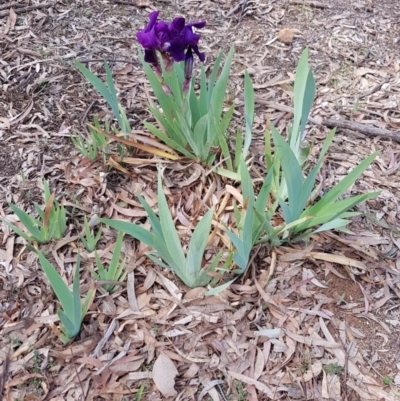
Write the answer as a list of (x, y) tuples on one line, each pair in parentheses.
[(193, 123)]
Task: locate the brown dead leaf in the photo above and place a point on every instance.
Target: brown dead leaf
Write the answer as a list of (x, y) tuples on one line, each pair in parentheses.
[(21, 117), (9, 253), (142, 3), (313, 372), (363, 71), (12, 19), (136, 3), (331, 387), (259, 364), (131, 292), (235, 193), (6, 122), (127, 364), (192, 371), (29, 52), (258, 385), (137, 145), (19, 380), (115, 164), (124, 70), (129, 212), (164, 373), (47, 211), (203, 335), (339, 259)]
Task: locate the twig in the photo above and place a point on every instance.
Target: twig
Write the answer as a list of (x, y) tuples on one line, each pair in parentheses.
[(330, 123), (280, 107), (4, 374), (218, 386), (14, 4), (362, 128), (376, 88), (85, 114), (310, 3), (346, 358), (233, 9), (87, 60), (364, 59), (279, 118), (77, 374), (25, 9)]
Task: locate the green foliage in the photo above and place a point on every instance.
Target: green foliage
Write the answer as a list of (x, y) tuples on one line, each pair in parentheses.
[(72, 312), (140, 392), (241, 392), (108, 92), (334, 369), (242, 145), (115, 269), (304, 93), (89, 240), (287, 189), (50, 224), (164, 239), (286, 179), (330, 212), (247, 231), (195, 124), (91, 146)]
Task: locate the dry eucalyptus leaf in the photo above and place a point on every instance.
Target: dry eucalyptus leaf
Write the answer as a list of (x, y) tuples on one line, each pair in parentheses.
[(164, 373)]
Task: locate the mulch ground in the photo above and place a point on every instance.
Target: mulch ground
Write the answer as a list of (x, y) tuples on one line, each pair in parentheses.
[(332, 304)]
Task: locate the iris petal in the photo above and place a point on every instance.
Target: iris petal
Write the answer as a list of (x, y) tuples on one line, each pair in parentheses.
[(177, 25), (147, 37), (176, 49), (147, 40), (201, 56), (150, 56), (153, 19)]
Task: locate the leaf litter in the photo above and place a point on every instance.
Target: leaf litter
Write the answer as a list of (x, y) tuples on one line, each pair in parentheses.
[(319, 321)]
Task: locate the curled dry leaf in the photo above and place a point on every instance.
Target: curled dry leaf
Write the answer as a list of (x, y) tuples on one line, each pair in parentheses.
[(314, 370), (164, 373), (12, 19)]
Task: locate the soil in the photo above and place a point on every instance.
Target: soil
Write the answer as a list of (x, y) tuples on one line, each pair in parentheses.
[(155, 325)]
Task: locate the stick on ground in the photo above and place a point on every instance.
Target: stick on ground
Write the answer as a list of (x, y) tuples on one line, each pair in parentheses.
[(311, 3), (362, 128), (24, 9)]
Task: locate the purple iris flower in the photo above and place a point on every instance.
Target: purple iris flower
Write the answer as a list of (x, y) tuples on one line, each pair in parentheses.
[(175, 41), (182, 37), (170, 39)]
